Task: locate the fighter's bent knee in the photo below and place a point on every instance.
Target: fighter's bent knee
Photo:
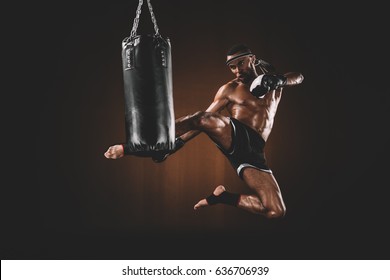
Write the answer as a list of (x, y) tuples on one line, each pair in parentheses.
[(274, 214)]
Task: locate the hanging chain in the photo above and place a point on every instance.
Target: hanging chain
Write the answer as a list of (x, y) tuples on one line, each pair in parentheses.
[(153, 17), (136, 19)]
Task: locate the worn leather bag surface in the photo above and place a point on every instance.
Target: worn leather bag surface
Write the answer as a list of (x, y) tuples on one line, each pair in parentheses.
[(147, 76)]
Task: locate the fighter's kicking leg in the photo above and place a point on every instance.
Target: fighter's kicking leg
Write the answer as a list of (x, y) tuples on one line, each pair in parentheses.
[(216, 126), (114, 152)]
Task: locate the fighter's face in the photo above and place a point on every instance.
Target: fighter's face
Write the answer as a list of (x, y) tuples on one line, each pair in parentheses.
[(242, 67)]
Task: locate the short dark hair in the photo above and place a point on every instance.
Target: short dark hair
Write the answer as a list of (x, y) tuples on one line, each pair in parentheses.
[(238, 48)]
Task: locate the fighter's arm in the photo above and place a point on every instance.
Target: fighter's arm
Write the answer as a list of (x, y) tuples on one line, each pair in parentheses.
[(220, 100), (293, 78), (271, 81)]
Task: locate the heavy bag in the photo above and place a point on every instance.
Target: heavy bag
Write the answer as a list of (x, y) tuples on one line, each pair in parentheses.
[(147, 75)]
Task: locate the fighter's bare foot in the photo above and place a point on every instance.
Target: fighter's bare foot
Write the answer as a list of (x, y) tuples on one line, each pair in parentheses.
[(203, 202), (114, 152)]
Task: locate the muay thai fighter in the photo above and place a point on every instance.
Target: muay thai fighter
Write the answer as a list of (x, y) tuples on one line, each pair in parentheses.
[(252, 101)]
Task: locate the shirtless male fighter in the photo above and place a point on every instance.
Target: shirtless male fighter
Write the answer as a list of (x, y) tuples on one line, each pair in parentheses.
[(251, 101)]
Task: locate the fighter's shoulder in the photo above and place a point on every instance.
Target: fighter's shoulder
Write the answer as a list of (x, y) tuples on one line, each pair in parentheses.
[(229, 87)]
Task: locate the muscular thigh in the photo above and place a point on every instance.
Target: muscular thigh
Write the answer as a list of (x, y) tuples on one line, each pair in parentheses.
[(264, 185), (218, 128)]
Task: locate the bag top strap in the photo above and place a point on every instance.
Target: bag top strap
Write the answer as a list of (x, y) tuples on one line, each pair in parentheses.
[(136, 19)]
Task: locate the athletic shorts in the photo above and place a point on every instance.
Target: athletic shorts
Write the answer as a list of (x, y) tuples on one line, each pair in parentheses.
[(247, 149)]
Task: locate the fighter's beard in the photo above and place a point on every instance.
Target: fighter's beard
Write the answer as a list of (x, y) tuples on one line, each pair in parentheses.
[(246, 78)]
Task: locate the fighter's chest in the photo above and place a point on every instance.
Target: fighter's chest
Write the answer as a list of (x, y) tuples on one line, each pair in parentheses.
[(246, 100)]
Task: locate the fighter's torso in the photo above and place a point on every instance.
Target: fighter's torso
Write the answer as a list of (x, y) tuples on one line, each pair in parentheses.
[(257, 113)]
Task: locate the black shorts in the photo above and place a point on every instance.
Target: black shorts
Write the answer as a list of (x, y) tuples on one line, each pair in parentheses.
[(247, 148)]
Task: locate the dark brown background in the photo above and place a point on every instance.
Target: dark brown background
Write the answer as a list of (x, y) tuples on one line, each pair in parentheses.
[(328, 150)]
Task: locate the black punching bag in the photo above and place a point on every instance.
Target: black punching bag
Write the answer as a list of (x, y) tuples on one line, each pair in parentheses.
[(147, 75)]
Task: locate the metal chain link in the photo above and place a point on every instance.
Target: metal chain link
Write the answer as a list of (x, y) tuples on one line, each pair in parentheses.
[(136, 19), (153, 17), (137, 16)]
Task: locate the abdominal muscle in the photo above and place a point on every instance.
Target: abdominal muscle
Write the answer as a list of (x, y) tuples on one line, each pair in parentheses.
[(258, 114)]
